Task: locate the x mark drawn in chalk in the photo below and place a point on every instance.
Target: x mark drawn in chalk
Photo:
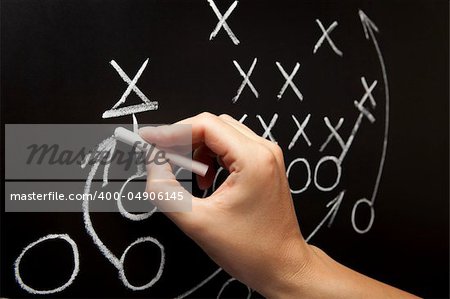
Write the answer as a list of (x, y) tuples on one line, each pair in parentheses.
[(326, 35), (367, 95), (145, 106), (246, 80), (300, 131), (333, 133), (289, 81), (222, 21), (268, 128)]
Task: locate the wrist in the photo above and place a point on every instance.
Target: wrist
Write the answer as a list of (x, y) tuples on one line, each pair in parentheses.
[(294, 273)]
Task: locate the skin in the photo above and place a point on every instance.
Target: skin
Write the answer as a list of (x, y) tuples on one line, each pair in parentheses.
[(248, 225)]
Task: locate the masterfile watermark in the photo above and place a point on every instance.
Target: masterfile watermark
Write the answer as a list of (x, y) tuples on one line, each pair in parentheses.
[(40, 154), (58, 168)]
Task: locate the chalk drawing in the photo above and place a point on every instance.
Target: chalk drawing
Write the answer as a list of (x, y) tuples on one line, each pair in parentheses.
[(326, 35), (116, 262), (300, 131), (367, 95), (371, 219), (107, 147), (308, 171), (198, 286), (337, 163), (368, 27), (145, 106), (289, 81), (246, 80), (76, 264), (224, 286), (222, 21), (334, 204), (333, 133), (160, 269), (268, 128)]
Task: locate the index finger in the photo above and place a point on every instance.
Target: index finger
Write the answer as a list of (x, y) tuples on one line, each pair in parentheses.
[(205, 128)]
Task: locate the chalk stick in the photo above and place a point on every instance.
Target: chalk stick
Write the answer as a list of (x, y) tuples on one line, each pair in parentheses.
[(131, 138)]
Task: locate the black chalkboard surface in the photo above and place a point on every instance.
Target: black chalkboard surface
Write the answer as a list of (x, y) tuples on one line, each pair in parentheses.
[(355, 93)]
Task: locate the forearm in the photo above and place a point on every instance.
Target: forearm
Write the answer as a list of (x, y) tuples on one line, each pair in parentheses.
[(322, 277)]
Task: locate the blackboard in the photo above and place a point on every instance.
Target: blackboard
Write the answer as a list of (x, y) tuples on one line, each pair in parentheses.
[(341, 58)]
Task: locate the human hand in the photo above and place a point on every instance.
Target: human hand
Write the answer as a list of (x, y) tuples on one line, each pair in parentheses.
[(248, 225)]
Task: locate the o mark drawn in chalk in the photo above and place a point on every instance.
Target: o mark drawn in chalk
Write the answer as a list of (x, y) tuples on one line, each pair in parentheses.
[(123, 211), (222, 21), (308, 171), (289, 81), (337, 163), (145, 106), (160, 269), (372, 215), (246, 80), (326, 35), (76, 266)]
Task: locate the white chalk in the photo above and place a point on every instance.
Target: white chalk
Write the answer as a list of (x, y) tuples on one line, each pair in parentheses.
[(132, 138)]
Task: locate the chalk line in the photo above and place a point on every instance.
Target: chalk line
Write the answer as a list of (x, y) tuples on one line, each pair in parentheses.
[(246, 80), (268, 128), (224, 286), (326, 35), (289, 81), (300, 131), (76, 266), (222, 21), (335, 204)]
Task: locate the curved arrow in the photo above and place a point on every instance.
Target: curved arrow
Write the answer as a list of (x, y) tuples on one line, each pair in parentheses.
[(369, 28)]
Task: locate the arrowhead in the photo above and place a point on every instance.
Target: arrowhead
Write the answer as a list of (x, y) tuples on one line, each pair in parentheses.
[(335, 204), (367, 23)]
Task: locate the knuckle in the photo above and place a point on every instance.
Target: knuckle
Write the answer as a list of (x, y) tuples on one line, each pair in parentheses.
[(164, 132), (278, 152), (206, 118), (267, 157), (226, 116), (206, 115)]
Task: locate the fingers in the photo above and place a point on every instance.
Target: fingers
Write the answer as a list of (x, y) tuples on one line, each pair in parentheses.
[(167, 135), (212, 137), (218, 135), (239, 126), (170, 197), (273, 147)]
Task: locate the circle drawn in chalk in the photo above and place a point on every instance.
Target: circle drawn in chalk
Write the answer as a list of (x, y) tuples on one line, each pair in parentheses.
[(158, 274), (338, 176), (372, 216), (308, 168), (123, 211), (76, 267)]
